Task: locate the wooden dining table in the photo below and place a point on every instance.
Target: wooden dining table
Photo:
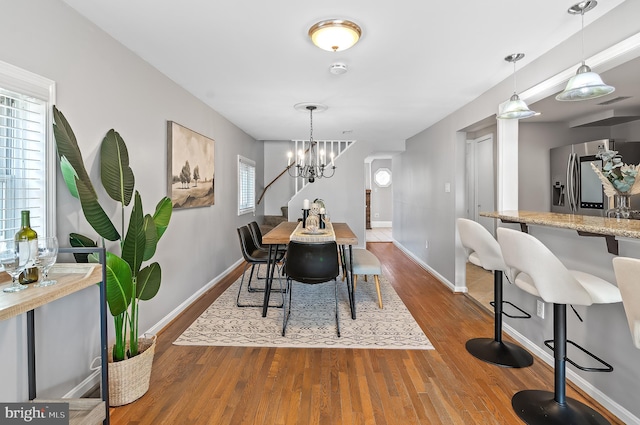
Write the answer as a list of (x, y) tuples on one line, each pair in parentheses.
[(280, 236)]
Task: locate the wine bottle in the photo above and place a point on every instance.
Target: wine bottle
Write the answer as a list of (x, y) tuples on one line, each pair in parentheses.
[(27, 234)]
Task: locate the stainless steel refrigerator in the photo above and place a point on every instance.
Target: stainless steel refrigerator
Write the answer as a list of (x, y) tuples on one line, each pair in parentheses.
[(575, 187)]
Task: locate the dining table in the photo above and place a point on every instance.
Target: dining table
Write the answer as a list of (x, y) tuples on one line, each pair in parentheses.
[(279, 237)]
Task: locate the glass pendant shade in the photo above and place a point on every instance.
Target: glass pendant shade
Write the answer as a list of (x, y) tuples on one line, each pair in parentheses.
[(586, 84), (516, 109), (335, 35)]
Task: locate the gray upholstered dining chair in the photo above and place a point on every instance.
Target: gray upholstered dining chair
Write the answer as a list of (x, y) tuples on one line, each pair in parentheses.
[(310, 263), (628, 278)]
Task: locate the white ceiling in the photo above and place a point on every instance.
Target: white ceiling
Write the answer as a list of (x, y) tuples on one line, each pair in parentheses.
[(417, 61)]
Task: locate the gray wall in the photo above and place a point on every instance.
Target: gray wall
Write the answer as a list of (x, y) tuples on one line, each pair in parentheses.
[(102, 85), (424, 212)]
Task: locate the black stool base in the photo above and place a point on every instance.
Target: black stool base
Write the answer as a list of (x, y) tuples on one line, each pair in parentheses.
[(502, 353), (540, 407)]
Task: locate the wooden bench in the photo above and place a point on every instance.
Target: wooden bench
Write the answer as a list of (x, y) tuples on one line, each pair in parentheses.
[(366, 263)]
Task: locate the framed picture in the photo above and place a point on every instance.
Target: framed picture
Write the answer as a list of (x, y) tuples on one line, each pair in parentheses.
[(191, 172)]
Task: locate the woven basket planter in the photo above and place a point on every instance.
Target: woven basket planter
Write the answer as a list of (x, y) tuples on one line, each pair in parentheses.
[(129, 379)]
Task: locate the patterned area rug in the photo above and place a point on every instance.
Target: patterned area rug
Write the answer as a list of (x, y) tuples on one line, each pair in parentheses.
[(312, 322)]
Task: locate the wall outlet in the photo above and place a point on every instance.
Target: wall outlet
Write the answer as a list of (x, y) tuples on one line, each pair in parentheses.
[(540, 309)]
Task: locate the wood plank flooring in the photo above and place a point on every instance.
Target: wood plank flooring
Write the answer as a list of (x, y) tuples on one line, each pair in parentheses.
[(235, 385)]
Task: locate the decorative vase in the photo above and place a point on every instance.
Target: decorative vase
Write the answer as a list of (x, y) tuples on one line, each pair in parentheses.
[(621, 206)]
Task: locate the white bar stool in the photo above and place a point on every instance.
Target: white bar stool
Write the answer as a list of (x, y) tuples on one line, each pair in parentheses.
[(628, 278), (485, 252), (539, 272)]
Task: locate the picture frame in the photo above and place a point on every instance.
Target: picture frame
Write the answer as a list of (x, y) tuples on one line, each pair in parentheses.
[(190, 167)]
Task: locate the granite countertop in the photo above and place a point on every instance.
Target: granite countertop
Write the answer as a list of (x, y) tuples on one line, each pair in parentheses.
[(582, 223)]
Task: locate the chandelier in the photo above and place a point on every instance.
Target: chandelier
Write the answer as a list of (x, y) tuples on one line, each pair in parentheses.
[(310, 163)]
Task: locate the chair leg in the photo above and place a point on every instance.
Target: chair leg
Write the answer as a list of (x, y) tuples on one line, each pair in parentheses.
[(377, 280), (355, 282), (249, 289), (286, 311), (544, 407), (494, 350)]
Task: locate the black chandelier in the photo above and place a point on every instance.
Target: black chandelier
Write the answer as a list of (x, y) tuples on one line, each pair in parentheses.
[(310, 164)]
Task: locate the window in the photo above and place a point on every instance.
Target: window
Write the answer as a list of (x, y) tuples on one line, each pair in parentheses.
[(27, 151), (382, 177), (246, 185)]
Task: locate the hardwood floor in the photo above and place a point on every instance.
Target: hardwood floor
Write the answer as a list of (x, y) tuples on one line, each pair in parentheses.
[(235, 385)]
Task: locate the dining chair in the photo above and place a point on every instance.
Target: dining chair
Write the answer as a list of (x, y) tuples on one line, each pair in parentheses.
[(256, 233), (628, 278), (539, 272), (310, 263), (253, 256)]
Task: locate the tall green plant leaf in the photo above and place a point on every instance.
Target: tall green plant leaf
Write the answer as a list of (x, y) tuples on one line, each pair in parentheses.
[(69, 175), (149, 281), (94, 213), (162, 216), (134, 241), (119, 284), (151, 237), (67, 147), (80, 241), (117, 177)]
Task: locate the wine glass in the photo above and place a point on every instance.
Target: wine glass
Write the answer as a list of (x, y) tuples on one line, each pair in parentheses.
[(46, 258), (15, 256)]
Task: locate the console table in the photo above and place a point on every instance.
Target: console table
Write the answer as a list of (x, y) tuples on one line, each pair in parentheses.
[(71, 277)]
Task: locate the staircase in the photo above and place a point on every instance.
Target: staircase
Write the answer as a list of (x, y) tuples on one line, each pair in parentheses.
[(337, 147), (271, 221)]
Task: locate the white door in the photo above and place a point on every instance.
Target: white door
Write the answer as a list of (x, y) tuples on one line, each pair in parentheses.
[(481, 180)]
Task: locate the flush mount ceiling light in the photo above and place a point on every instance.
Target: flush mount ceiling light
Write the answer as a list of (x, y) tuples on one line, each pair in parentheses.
[(335, 35), (586, 84), (515, 108)]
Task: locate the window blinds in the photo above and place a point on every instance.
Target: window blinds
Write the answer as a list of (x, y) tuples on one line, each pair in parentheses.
[(22, 160), (246, 185)]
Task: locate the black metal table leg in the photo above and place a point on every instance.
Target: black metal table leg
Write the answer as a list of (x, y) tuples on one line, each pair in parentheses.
[(271, 265), (352, 295)]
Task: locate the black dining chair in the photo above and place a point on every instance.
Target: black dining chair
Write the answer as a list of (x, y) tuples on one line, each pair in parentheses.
[(256, 233), (310, 263), (253, 257)]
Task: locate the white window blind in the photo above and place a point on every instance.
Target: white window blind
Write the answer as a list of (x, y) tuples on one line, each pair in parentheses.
[(246, 185), (27, 151), (22, 127)]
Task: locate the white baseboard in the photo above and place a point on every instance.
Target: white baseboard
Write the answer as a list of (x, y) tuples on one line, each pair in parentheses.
[(93, 380), (428, 268), (375, 224)]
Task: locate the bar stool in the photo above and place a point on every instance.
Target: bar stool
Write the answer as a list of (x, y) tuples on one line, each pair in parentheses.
[(485, 252), (628, 278), (539, 272)]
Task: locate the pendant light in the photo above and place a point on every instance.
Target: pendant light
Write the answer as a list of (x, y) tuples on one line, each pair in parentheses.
[(586, 84), (515, 108)]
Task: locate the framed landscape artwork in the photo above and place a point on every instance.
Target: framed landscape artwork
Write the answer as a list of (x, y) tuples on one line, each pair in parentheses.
[(191, 173)]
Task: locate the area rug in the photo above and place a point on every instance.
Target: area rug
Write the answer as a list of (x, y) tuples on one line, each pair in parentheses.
[(312, 322)]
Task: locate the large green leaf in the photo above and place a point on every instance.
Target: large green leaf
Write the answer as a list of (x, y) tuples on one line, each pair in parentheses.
[(119, 284), (80, 241), (94, 213), (67, 147), (162, 216), (134, 241), (151, 236), (117, 177), (149, 281), (69, 175)]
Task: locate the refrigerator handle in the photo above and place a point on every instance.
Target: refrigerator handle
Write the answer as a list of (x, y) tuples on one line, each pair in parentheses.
[(570, 182), (574, 182)]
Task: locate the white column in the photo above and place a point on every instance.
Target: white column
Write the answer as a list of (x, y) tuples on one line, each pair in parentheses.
[(507, 166)]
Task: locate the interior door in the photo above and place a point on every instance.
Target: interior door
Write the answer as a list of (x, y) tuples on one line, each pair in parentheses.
[(481, 185)]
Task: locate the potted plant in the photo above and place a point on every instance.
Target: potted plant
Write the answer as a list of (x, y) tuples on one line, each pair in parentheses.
[(128, 282)]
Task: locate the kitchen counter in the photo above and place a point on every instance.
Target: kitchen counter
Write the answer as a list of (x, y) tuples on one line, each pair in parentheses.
[(585, 225)]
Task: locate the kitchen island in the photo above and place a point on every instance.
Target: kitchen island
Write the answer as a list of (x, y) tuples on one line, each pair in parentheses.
[(585, 225)]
